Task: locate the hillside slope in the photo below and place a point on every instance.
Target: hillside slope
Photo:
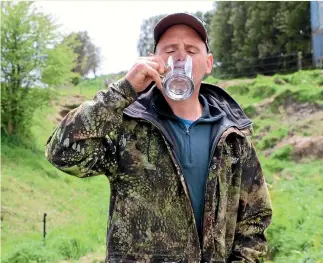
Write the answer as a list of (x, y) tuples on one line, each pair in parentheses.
[(287, 112)]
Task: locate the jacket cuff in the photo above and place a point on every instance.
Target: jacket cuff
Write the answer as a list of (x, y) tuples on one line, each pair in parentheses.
[(127, 89)]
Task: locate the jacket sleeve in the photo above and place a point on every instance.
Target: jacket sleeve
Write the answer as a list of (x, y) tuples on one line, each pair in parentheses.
[(84, 144), (255, 211)]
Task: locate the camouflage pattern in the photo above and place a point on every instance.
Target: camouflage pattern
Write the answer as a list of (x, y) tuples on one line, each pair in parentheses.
[(151, 217)]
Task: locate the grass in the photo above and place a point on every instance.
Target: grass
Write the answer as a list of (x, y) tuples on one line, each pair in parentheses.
[(295, 234), (77, 208), (88, 87), (296, 188)]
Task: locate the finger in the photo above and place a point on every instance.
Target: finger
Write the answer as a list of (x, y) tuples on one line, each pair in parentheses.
[(153, 64), (154, 75), (160, 61), (143, 62)]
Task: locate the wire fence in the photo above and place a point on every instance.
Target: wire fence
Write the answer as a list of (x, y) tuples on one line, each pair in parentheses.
[(50, 223), (270, 65)]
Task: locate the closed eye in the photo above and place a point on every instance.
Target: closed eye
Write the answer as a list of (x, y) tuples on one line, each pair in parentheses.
[(191, 51)]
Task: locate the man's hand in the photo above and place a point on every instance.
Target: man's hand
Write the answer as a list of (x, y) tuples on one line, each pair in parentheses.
[(146, 70)]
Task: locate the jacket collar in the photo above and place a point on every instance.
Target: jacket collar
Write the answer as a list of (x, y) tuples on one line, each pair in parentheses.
[(210, 113), (217, 100)]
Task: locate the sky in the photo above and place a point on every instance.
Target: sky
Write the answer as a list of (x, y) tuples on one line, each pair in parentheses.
[(114, 26)]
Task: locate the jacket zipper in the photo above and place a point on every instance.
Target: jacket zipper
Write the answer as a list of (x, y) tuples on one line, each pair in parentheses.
[(179, 171), (188, 141), (214, 144)]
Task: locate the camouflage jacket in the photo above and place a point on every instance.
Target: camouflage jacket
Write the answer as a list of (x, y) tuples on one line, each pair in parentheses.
[(151, 219)]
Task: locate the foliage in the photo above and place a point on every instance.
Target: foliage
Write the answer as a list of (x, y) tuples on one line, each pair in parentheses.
[(146, 43), (250, 37), (17, 109), (206, 18), (271, 139), (35, 254), (283, 153), (27, 36), (88, 55), (60, 63)]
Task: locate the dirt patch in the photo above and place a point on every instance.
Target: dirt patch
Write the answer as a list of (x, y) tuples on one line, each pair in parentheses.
[(300, 110), (90, 258), (290, 108), (303, 147), (228, 83)]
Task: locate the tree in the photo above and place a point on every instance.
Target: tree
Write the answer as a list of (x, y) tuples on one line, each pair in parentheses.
[(26, 38), (59, 65), (222, 35), (207, 19), (89, 58), (253, 37), (94, 60), (146, 38)]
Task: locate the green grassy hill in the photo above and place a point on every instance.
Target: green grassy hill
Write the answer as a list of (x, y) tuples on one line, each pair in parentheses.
[(287, 111)]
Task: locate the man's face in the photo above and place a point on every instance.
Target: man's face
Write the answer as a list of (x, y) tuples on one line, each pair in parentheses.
[(179, 41)]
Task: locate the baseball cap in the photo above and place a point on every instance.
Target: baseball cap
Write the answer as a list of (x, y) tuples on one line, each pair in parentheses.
[(180, 18)]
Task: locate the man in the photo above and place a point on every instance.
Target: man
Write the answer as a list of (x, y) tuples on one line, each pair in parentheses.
[(186, 184)]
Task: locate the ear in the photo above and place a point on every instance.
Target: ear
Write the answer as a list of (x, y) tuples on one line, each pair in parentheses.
[(209, 65)]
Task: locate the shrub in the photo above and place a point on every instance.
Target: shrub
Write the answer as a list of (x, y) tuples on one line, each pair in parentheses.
[(250, 111), (272, 138), (33, 254), (211, 80), (73, 248), (262, 91), (17, 109), (283, 153), (238, 89)]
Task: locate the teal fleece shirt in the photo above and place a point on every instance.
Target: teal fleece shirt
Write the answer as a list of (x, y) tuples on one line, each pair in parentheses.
[(194, 141)]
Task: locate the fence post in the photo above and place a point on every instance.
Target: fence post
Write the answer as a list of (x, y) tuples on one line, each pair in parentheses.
[(284, 57), (299, 55), (44, 229)]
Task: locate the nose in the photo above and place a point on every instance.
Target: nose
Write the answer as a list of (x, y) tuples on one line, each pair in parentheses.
[(180, 55)]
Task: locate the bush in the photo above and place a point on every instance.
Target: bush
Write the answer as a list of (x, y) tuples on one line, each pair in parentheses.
[(283, 153), (76, 80), (238, 89), (272, 138), (250, 111), (33, 254), (262, 91), (73, 248), (17, 109), (211, 80)]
